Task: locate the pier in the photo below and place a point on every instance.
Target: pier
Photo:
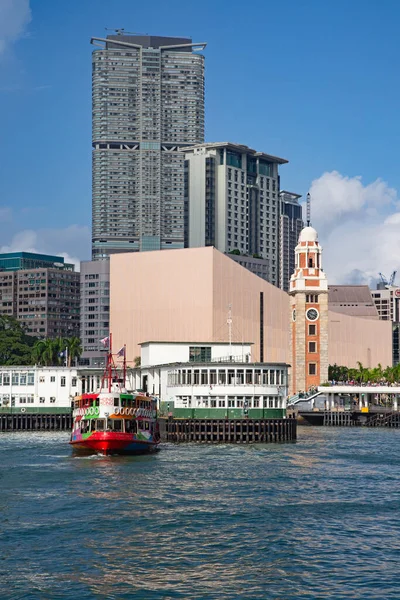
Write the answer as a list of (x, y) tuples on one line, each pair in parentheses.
[(228, 431), (349, 406), (35, 422)]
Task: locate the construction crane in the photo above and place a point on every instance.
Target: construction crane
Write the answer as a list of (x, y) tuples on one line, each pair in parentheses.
[(386, 282)]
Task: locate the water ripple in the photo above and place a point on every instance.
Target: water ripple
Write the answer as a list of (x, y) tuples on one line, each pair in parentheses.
[(313, 520)]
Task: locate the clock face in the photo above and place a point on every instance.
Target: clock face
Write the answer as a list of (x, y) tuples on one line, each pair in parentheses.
[(312, 314), (294, 315)]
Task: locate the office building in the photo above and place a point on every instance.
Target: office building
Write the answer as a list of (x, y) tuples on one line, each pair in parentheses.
[(387, 302), (95, 311), (291, 224), (44, 299), (148, 103), (232, 201)]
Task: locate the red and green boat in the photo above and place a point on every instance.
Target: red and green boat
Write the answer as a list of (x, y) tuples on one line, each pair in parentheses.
[(113, 420)]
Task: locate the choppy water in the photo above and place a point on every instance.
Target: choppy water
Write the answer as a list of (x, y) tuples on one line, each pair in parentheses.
[(316, 519)]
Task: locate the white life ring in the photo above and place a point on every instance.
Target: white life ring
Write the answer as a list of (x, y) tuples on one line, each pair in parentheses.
[(122, 411), (131, 412), (23, 409), (86, 412), (116, 411)]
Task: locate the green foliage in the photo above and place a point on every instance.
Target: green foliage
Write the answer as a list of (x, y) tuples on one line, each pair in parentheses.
[(18, 348), (137, 361), (256, 255), (15, 344), (236, 252), (51, 352), (363, 375)]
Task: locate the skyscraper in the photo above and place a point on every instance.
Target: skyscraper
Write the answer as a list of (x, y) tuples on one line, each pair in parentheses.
[(291, 224), (232, 203), (148, 103)]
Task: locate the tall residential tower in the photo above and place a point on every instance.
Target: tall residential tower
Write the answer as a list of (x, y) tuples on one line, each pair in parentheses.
[(148, 103), (232, 203)]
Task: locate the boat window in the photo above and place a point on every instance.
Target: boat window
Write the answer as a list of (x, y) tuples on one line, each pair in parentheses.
[(99, 424), (146, 425), (117, 424), (130, 426), (97, 402), (116, 401)]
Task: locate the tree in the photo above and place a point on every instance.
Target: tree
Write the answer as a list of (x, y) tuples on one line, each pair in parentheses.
[(236, 252), (51, 352), (74, 349), (15, 344)]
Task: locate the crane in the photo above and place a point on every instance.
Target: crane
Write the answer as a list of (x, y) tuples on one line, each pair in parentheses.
[(390, 282)]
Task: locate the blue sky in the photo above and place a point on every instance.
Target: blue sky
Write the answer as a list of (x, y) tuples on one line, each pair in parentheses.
[(313, 81)]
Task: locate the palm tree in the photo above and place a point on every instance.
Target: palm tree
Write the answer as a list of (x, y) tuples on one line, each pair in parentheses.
[(74, 349)]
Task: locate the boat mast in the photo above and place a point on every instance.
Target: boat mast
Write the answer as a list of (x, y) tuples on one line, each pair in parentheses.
[(110, 364), (124, 365)]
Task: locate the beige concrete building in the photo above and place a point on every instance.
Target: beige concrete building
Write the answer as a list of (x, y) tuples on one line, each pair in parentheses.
[(185, 295)]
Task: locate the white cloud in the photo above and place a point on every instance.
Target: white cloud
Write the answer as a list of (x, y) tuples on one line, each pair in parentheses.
[(73, 243), (15, 15), (358, 226)]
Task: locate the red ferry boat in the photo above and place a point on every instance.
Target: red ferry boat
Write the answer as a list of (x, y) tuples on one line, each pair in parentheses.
[(113, 420)]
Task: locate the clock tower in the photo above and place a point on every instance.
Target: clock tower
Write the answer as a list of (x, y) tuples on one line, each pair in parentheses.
[(308, 315)]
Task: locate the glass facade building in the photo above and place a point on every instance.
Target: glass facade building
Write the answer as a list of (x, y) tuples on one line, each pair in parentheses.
[(291, 224), (147, 104)]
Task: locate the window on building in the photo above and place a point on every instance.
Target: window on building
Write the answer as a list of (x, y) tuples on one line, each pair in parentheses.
[(41, 400), (52, 399), (73, 382), (312, 330), (199, 354), (312, 369), (312, 346), (52, 379), (62, 381)]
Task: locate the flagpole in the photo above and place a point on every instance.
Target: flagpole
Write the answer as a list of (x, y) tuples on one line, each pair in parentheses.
[(66, 356), (125, 365), (110, 362)]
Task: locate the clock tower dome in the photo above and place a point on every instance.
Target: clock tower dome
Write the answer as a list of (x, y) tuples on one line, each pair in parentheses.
[(309, 315)]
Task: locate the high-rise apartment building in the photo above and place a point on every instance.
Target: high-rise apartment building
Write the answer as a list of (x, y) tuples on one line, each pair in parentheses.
[(232, 202), (45, 299), (95, 311), (148, 103), (291, 224)]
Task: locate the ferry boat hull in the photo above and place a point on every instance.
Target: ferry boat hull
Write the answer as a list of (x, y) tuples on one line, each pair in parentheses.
[(112, 444)]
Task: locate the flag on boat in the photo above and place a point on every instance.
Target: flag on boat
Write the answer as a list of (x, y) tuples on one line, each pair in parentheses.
[(121, 352), (105, 341)]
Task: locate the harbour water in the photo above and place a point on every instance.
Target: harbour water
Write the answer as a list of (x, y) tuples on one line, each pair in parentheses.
[(314, 519)]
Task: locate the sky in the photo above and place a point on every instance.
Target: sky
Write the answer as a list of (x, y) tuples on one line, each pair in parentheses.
[(313, 81)]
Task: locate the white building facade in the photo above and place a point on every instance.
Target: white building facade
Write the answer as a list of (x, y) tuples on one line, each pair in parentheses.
[(47, 390)]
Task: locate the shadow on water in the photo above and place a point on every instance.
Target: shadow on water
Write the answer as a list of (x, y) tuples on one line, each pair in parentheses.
[(315, 519)]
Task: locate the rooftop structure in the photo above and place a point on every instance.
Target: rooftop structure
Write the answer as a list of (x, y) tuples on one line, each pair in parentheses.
[(352, 300), (14, 261)]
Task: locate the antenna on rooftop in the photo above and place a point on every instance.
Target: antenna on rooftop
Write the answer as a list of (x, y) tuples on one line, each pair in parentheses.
[(308, 209), (121, 31), (229, 323)]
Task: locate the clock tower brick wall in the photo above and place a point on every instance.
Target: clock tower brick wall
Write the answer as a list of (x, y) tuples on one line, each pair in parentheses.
[(309, 315)]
